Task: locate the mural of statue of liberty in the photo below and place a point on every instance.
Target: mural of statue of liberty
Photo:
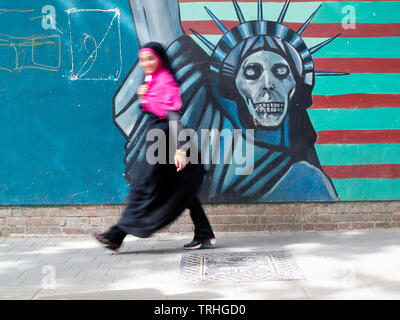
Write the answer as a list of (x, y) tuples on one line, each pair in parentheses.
[(259, 76)]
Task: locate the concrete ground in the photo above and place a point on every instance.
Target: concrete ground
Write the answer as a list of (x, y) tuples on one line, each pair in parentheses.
[(356, 265)]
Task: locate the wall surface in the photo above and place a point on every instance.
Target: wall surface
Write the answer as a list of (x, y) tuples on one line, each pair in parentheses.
[(273, 217), (59, 69), (324, 110)]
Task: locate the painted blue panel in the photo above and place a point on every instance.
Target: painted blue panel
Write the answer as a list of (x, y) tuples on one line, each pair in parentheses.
[(58, 142)]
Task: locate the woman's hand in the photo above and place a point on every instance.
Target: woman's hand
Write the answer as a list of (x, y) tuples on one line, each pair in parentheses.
[(142, 90), (180, 161)]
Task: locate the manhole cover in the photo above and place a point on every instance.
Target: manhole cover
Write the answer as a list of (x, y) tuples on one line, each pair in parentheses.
[(240, 266)]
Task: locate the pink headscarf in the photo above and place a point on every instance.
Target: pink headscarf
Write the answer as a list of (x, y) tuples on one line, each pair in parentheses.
[(163, 93)]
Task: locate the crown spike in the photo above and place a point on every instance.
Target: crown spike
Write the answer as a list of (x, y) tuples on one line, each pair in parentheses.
[(305, 25), (238, 12), (322, 44), (283, 12), (208, 44), (329, 73), (218, 23), (260, 10)]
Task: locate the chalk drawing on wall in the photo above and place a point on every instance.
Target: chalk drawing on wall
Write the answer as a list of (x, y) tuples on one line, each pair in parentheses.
[(38, 51), (93, 57), (31, 52), (7, 10)]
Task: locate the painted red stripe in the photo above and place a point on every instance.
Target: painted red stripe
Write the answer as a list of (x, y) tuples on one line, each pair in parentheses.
[(371, 171), (356, 100), (358, 136), (358, 65), (368, 30), (315, 30)]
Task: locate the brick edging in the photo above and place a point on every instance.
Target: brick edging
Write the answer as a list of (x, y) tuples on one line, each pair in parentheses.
[(304, 216)]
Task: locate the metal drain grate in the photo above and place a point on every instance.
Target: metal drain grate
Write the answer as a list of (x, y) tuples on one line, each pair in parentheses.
[(239, 266)]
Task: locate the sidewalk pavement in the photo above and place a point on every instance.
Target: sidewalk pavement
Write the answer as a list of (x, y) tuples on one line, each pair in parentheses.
[(356, 265)]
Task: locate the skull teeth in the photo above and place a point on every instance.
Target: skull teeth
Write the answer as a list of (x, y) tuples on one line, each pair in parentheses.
[(269, 107)]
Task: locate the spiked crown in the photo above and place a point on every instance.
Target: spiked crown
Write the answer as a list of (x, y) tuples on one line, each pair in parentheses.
[(250, 35)]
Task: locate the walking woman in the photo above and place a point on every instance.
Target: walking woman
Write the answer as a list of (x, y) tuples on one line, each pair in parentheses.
[(161, 192)]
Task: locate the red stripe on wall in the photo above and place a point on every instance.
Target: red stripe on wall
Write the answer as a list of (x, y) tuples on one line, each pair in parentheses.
[(366, 171), (356, 100), (315, 30), (358, 65), (367, 30), (207, 26), (358, 136)]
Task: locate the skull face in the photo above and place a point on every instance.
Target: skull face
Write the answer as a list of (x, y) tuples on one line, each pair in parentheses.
[(266, 83)]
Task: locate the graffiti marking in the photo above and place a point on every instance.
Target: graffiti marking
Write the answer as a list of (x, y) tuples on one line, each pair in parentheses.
[(88, 62), (27, 52), (7, 10)]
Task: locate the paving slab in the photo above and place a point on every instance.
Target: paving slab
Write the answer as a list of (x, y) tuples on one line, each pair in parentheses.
[(358, 264)]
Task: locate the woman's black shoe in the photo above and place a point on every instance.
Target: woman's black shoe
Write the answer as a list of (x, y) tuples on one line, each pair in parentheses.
[(201, 244), (106, 242)]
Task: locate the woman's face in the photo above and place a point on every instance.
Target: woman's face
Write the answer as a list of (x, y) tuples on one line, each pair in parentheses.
[(148, 61)]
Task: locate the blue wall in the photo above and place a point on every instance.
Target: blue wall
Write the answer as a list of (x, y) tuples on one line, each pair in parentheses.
[(58, 142), (62, 61)]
